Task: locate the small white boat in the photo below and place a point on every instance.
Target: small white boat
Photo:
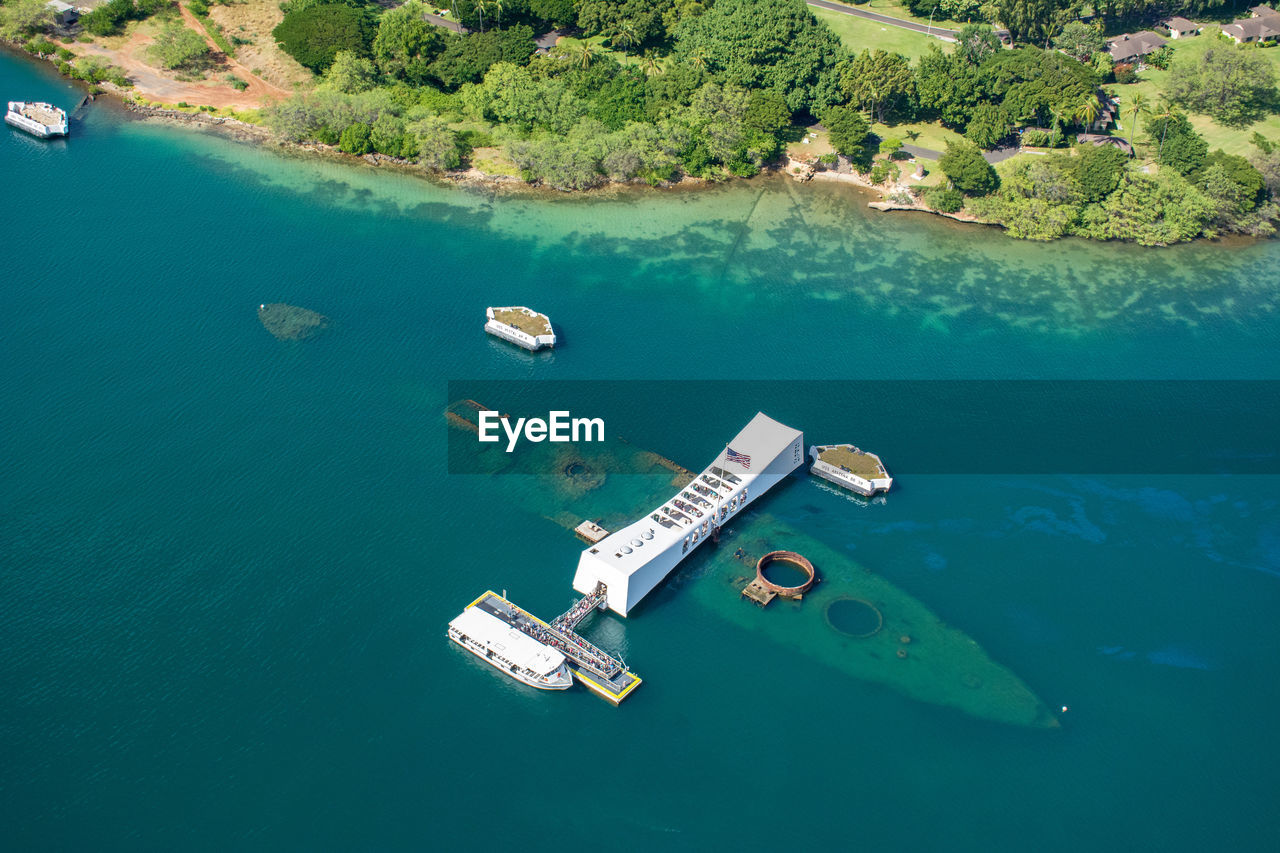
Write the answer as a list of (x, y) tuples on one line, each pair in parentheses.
[(510, 650), (522, 326), (38, 119)]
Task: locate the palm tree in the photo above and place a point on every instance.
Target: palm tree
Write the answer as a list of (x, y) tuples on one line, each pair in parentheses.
[(1138, 106), (1165, 112), (1087, 112), (1057, 124), (699, 59), (624, 35), (651, 63), (585, 53), (483, 6)]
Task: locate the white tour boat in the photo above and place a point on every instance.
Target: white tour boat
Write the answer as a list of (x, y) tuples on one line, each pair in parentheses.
[(38, 119), (510, 650)]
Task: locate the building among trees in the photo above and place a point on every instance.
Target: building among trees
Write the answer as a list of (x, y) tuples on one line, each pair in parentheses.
[(1131, 47), (1181, 28)]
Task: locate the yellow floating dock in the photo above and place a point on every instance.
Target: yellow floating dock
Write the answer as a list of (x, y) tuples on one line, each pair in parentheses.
[(598, 671)]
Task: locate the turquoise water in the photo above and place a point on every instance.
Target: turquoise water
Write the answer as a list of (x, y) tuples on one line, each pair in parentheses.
[(228, 561)]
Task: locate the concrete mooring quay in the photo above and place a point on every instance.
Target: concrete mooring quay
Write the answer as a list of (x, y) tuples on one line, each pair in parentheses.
[(596, 669)]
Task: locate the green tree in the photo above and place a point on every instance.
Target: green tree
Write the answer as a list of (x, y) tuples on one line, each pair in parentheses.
[(948, 87), (967, 170), (19, 19), (877, 81), (584, 53), (766, 112), (1240, 171), (511, 94), (313, 35), (1137, 107), (1034, 84), (1086, 112), (715, 113), (557, 13), (989, 124), (178, 47), (1034, 20), (1267, 161), (1179, 146), (628, 23), (1097, 170), (108, 19), (847, 129), (1103, 65), (355, 139), (974, 43), (387, 136), (437, 144), (350, 73), (944, 199), (406, 44), (1233, 86), (766, 44), (466, 58), (619, 101), (1080, 41), (1153, 210)]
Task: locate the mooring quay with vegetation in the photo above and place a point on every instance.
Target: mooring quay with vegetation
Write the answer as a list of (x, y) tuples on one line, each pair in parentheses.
[(1155, 123)]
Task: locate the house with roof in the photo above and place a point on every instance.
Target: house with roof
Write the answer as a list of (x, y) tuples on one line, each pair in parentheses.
[(64, 14), (1108, 110), (1180, 28), (1262, 12), (1253, 30), (1131, 47)]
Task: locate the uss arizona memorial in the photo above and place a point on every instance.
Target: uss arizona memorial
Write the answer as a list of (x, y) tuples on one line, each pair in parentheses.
[(621, 568), (626, 565)]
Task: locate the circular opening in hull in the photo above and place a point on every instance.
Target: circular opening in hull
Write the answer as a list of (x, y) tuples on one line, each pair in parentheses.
[(780, 579), (854, 617), (784, 573)]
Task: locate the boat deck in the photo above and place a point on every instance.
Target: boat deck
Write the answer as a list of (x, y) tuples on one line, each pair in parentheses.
[(595, 669), (528, 321), (855, 461), (40, 114)]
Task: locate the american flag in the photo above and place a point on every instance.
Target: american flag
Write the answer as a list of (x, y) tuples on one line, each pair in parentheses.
[(742, 459)]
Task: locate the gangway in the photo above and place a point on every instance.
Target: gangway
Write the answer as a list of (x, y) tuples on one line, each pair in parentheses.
[(568, 621), (600, 671)]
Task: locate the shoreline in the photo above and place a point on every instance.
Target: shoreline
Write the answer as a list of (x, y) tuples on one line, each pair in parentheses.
[(246, 132)]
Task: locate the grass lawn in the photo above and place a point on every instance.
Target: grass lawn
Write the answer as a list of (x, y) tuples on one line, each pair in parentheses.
[(817, 145), (859, 34), (933, 176), (572, 46), (1151, 84), (925, 134), (895, 9)]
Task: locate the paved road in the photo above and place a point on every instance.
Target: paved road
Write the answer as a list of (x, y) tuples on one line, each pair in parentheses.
[(885, 19), (926, 153), (1000, 154), (446, 23), (992, 157)]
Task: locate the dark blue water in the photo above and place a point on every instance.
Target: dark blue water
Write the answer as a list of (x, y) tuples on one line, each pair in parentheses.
[(226, 561)]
